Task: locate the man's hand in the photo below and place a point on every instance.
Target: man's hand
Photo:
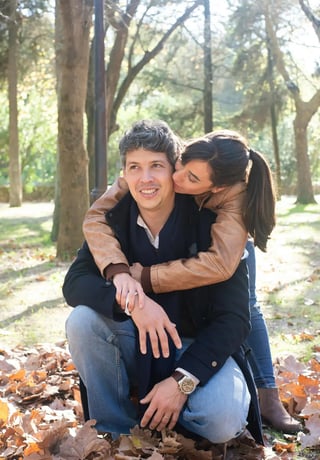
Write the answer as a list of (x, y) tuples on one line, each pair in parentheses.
[(165, 404), (153, 320), (128, 290)]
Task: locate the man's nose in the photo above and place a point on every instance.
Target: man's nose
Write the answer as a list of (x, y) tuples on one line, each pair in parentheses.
[(146, 175)]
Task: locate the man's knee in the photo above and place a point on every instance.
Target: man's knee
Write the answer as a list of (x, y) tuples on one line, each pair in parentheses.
[(218, 411), (80, 321), (216, 423)]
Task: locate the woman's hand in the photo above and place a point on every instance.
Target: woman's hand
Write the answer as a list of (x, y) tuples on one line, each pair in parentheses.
[(129, 291), (136, 271)]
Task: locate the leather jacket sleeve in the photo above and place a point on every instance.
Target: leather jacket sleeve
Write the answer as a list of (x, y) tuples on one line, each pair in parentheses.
[(103, 245)]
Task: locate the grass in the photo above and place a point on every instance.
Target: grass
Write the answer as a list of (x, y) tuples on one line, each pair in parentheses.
[(32, 308), (288, 280)]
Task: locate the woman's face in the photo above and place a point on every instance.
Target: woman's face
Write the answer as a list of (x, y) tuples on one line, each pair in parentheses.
[(192, 178)]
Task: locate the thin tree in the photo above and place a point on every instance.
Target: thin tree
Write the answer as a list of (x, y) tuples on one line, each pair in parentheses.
[(274, 121), (15, 191), (313, 18), (208, 77)]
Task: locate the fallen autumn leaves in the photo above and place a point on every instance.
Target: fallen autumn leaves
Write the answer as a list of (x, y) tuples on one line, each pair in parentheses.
[(41, 416)]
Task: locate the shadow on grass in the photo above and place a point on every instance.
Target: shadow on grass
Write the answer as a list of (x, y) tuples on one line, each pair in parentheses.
[(299, 209), (54, 303), (43, 268), (18, 233)]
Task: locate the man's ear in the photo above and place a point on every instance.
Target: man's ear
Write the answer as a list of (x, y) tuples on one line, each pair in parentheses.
[(216, 189)]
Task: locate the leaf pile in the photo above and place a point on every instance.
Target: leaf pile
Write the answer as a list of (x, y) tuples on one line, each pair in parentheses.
[(299, 387), (41, 415)]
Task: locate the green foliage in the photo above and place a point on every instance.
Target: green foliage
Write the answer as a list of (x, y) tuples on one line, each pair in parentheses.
[(37, 132), (170, 87), (35, 30), (36, 97)]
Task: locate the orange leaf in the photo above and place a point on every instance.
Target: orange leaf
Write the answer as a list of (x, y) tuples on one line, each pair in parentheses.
[(292, 389), (283, 446), (304, 336), (19, 375), (314, 364), (69, 367), (4, 411), (32, 449), (41, 278), (308, 382)]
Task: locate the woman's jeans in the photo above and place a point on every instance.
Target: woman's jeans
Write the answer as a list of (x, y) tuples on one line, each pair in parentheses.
[(104, 352), (258, 339)]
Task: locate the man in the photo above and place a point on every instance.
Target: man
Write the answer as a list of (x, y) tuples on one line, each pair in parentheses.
[(178, 348)]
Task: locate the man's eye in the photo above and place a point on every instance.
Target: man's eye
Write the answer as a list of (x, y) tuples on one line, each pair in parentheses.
[(157, 165)]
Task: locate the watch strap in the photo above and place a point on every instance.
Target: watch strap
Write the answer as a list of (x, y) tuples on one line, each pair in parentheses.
[(177, 375)]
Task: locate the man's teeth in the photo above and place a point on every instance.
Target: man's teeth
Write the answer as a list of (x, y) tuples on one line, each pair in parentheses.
[(149, 191)]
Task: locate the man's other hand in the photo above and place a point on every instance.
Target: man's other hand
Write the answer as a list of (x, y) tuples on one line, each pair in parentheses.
[(165, 404), (153, 320)]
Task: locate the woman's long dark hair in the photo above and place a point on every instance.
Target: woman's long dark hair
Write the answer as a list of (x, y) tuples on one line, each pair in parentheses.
[(232, 161)]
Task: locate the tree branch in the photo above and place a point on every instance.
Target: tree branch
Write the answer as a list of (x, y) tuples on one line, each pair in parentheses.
[(148, 56), (311, 16)]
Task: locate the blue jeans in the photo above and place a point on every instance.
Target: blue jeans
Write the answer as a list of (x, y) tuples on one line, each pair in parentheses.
[(104, 352), (258, 339)]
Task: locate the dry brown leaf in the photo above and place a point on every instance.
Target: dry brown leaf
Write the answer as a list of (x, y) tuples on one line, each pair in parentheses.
[(45, 419), (84, 443), (313, 437)]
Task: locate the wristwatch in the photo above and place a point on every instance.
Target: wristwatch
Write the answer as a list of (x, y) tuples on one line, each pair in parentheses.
[(185, 383)]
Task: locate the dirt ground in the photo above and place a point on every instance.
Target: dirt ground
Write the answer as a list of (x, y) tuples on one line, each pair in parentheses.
[(33, 310)]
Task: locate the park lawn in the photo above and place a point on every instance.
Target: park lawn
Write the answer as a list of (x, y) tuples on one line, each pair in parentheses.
[(33, 311), (32, 308)]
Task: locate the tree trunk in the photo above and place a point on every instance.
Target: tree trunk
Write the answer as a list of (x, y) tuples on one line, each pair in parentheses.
[(91, 119), (73, 22), (207, 103), (15, 193), (304, 113), (304, 190), (273, 117)]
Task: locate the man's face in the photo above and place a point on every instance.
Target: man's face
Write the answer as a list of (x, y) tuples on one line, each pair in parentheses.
[(149, 178)]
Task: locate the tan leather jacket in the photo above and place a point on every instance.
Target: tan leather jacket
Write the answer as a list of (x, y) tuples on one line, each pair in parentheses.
[(229, 237)]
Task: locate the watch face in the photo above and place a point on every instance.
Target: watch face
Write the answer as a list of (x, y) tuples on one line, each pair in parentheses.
[(187, 385)]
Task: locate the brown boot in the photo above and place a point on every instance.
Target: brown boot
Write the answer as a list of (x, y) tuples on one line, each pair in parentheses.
[(274, 414)]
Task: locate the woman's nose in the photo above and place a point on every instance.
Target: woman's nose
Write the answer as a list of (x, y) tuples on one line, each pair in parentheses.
[(178, 165), (177, 176)]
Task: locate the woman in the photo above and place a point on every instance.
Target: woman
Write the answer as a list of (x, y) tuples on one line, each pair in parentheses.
[(228, 177)]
